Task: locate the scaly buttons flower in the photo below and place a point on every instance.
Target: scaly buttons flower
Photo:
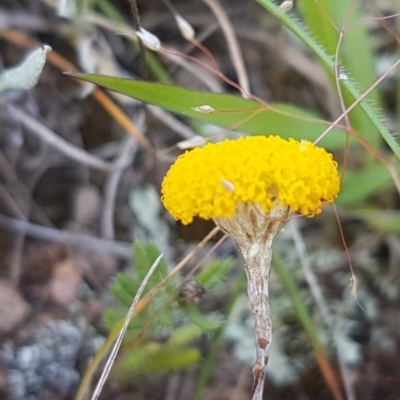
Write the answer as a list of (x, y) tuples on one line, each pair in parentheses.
[(270, 172), (250, 187)]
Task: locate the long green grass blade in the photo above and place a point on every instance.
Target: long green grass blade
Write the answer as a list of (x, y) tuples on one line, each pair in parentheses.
[(350, 91), (315, 15), (231, 112), (324, 20)]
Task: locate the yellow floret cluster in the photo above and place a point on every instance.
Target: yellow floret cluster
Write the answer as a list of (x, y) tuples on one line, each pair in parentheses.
[(209, 182)]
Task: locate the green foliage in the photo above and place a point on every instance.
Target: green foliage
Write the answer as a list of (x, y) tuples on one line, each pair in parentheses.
[(324, 24), (288, 283), (382, 220), (157, 358), (359, 185), (355, 61), (321, 34), (230, 111), (369, 114), (197, 318), (153, 357), (125, 288), (142, 354), (214, 273), (144, 255), (184, 335)]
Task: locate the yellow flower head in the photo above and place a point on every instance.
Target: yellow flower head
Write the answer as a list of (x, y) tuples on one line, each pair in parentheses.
[(269, 171)]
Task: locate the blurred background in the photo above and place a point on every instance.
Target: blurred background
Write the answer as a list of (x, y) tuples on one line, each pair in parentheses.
[(80, 177)]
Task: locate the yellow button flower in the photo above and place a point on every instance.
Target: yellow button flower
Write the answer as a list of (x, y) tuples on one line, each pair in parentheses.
[(250, 187), (211, 181)]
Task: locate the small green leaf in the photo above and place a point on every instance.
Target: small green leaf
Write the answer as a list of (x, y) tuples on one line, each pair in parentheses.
[(172, 360), (165, 307), (113, 316), (141, 262), (156, 358), (129, 284), (120, 294), (184, 335), (213, 273), (144, 255), (199, 319), (140, 356)]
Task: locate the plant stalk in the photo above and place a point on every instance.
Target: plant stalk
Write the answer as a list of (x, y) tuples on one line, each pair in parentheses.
[(253, 232), (258, 268)]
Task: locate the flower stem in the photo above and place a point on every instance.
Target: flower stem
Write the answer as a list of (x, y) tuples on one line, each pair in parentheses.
[(257, 259), (254, 232)]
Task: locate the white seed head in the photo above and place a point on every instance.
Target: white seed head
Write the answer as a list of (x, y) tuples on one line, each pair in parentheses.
[(195, 141), (342, 76), (229, 186), (286, 6), (149, 40), (352, 284), (206, 109), (185, 28)]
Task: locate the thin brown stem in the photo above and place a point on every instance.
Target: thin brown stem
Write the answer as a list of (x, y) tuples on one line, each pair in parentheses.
[(233, 46)]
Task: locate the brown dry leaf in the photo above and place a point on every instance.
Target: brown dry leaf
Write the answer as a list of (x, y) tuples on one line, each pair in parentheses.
[(64, 284), (86, 205), (13, 307), (98, 269)]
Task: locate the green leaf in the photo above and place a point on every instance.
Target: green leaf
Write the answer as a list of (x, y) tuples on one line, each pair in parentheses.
[(315, 16), (382, 220), (350, 91), (184, 335), (356, 61), (113, 316), (164, 307), (156, 358), (213, 273), (120, 294), (135, 360), (171, 359), (286, 279), (197, 318), (358, 185), (128, 284), (231, 112), (144, 255)]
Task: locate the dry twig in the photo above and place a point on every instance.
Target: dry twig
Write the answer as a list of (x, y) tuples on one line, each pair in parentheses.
[(118, 249)]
